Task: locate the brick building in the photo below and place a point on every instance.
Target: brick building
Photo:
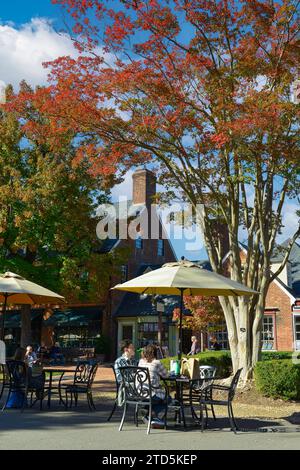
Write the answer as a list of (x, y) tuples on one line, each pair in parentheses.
[(131, 316), (281, 322), (142, 318), (282, 314)]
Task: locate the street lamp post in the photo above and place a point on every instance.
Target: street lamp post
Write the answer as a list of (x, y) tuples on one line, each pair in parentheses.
[(160, 308)]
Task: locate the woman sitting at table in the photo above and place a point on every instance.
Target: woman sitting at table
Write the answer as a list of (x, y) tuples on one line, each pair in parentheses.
[(156, 371), (17, 397)]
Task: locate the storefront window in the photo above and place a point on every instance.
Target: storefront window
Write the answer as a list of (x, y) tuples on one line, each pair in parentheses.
[(218, 337), (148, 334)]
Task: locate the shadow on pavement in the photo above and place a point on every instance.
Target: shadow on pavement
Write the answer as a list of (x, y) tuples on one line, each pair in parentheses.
[(81, 417)]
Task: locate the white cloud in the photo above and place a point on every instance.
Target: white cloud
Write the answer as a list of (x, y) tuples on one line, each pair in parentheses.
[(23, 50), (290, 221)]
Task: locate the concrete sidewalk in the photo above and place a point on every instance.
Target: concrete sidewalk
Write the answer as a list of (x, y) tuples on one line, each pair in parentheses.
[(81, 429)]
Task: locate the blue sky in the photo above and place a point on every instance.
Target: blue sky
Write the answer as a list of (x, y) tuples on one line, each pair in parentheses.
[(21, 11)]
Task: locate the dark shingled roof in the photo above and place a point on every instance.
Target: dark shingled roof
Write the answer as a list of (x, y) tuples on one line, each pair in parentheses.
[(294, 260), (107, 245)]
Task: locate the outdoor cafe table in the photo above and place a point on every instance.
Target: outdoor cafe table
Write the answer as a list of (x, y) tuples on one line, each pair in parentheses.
[(54, 370), (182, 384)]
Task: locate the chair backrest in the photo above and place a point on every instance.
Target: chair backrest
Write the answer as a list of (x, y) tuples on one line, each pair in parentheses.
[(4, 374), (136, 383), (85, 374), (207, 372), (17, 373), (115, 376), (234, 384)]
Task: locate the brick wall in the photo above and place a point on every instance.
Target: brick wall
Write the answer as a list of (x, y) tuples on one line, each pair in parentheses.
[(277, 298), (144, 188)]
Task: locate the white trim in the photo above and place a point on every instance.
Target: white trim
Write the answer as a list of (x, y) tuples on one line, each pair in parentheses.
[(229, 253), (120, 331), (116, 244), (284, 288), (294, 332)]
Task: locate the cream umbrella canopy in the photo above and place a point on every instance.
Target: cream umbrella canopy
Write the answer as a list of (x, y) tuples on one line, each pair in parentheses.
[(184, 278), (14, 289)]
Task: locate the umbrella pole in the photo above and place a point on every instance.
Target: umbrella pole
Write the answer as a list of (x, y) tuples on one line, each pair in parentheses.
[(180, 326), (3, 316)]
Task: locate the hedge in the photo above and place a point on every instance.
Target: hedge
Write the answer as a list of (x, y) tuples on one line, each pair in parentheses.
[(220, 359), (275, 355), (278, 379)]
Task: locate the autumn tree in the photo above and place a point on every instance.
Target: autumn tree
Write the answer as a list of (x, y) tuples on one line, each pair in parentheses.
[(201, 89), (206, 315), (47, 211)]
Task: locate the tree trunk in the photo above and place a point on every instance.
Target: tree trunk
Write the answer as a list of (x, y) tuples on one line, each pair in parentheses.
[(239, 335), (25, 326)]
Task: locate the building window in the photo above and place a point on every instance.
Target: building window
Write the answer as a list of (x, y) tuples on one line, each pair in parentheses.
[(297, 332), (139, 243), (268, 342), (160, 248), (124, 273), (148, 333), (218, 337)]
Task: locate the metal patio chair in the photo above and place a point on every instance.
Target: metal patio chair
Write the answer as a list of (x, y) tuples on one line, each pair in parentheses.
[(207, 399), (82, 384), (19, 380), (117, 393), (137, 392), (207, 376)]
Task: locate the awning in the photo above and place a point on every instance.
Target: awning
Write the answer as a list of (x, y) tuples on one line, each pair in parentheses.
[(70, 316), (74, 316)]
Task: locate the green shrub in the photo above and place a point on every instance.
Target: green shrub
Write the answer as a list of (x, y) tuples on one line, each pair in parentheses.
[(220, 359), (275, 355), (102, 345), (278, 379)]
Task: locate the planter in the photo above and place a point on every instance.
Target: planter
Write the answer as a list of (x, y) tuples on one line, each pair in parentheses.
[(100, 358)]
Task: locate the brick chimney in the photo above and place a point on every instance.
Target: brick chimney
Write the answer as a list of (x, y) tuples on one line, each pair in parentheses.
[(144, 187)]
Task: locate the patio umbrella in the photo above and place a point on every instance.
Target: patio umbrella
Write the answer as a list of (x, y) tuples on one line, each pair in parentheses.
[(184, 278), (15, 289)]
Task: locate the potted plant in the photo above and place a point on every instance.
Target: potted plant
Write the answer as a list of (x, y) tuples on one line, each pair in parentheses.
[(102, 348)]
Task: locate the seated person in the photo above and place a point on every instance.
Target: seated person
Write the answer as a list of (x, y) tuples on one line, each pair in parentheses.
[(19, 354), (156, 371), (30, 357), (126, 359), (214, 344), (43, 352), (56, 355), (17, 396)]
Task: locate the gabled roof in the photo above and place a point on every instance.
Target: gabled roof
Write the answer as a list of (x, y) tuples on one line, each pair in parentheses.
[(294, 260), (123, 210)]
